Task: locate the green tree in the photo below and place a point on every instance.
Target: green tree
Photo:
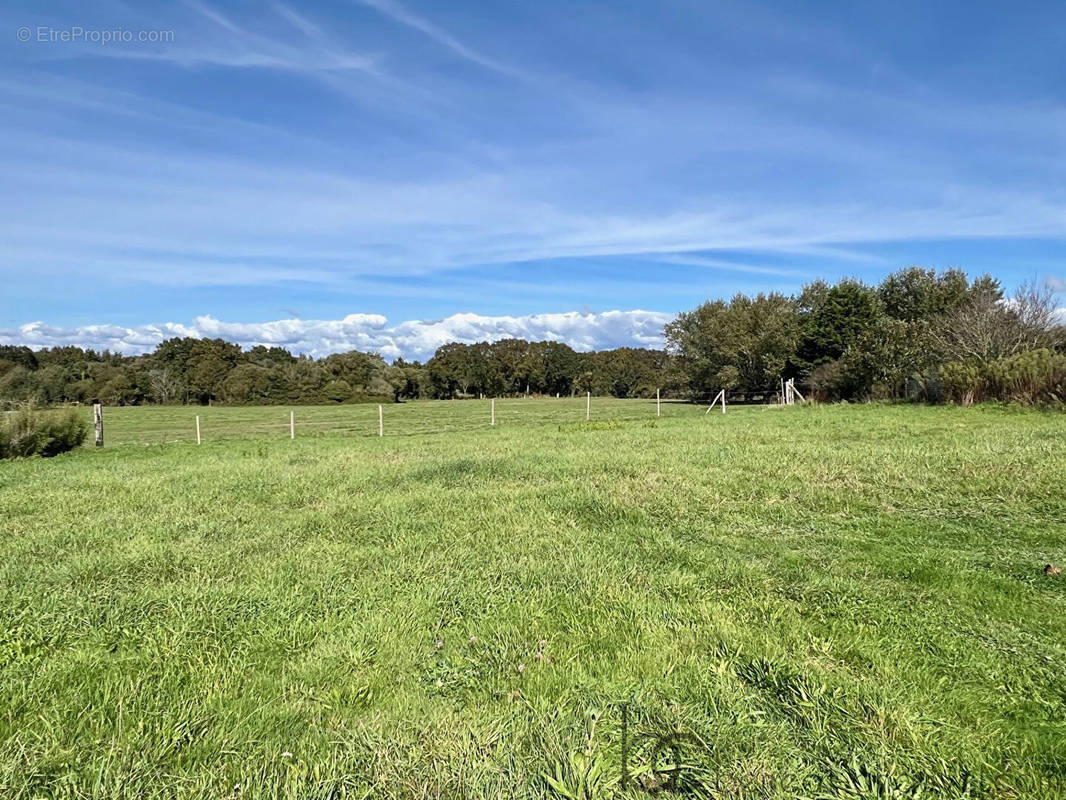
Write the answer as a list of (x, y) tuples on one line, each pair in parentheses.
[(834, 323), (916, 294), (743, 345), (450, 370), (337, 391)]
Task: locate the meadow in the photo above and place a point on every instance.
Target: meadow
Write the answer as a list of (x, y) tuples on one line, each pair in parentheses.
[(818, 602), (146, 425)]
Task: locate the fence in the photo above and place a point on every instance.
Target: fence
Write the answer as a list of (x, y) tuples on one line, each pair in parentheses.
[(173, 424)]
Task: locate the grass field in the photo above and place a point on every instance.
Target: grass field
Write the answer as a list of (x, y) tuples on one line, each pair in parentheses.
[(177, 424), (839, 601)]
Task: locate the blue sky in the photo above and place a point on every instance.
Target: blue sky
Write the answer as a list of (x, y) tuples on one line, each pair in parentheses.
[(342, 169)]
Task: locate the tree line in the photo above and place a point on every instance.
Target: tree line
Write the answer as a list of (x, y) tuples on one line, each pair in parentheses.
[(201, 371), (919, 335)]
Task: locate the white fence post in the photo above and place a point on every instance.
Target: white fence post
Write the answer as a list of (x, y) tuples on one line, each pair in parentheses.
[(588, 405), (292, 424), (381, 421), (658, 410), (714, 402), (198, 429), (492, 407)]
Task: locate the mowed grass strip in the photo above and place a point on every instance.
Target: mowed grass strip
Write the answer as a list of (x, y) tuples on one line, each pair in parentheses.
[(806, 602)]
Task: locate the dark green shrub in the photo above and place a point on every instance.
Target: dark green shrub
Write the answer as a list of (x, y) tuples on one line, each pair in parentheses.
[(29, 432), (842, 379)]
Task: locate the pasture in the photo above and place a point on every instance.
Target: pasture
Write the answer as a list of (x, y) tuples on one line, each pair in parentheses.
[(836, 601), (146, 425)]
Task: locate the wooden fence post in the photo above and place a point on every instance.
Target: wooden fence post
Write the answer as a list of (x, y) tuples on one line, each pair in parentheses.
[(198, 429), (98, 423), (658, 410), (292, 424), (588, 405), (381, 421), (492, 406)]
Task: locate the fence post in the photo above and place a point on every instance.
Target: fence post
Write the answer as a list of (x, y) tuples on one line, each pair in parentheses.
[(658, 411), (714, 402), (588, 405), (381, 421), (292, 424), (98, 423), (492, 406), (198, 429)]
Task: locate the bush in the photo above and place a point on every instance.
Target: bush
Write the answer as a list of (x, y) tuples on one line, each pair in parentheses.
[(826, 382), (1035, 377), (28, 432)]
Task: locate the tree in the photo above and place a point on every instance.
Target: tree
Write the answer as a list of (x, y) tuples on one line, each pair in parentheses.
[(449, 370), (916, 294), (743, 345), (558, 368), (839, 318), (409, 379), (356, 369), (118, 390), (987, 326), (164, 386), (337, 391), (634, 372), (246, 383), (304, 380), (19, 355)]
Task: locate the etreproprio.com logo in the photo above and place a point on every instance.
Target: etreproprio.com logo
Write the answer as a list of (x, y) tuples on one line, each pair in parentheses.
[(76, 34)]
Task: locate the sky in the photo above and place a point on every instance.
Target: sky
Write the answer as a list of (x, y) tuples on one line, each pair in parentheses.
[(390, 175)]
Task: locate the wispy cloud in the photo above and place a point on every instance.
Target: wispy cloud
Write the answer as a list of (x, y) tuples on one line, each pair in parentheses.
[(724, 264), (400, 14), (243, 48), (320, 145)]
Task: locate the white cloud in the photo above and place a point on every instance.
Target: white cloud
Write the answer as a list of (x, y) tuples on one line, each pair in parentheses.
[(368, 332)]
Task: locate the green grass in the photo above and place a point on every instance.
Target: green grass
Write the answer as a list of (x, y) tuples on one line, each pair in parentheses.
[(840, 601), (177, 424)]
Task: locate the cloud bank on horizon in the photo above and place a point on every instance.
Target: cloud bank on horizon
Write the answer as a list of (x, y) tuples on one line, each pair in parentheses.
[(413, 339), (420, 158)]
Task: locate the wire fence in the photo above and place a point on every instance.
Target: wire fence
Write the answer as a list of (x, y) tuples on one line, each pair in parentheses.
[(149, 425)]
